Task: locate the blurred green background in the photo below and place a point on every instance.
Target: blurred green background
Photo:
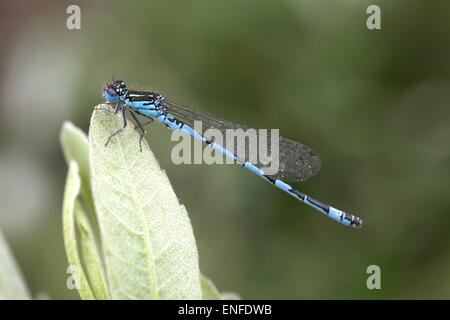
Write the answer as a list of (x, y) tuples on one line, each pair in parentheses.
[(375, 104)]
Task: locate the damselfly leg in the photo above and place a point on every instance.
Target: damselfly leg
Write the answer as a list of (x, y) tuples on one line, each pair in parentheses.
[(120, 130), (147, 122), (116, 110), (140, 125)]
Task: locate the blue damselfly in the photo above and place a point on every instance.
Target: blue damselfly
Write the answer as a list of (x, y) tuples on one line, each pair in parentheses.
[(297, 162)]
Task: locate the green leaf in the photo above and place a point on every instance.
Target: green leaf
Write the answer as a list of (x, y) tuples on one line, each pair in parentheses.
[(147, 238), (90, 256), (70, 206), (75, 146), (230, 296), (210, 291), (12, 285)]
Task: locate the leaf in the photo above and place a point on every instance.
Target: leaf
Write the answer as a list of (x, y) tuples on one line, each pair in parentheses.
[(210, 291), (230, 296), (75, 146), (70, 206), (90, 256), (12, 285), (147, 238)]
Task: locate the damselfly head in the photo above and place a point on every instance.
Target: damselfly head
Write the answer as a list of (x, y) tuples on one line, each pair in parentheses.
[(114, 89)]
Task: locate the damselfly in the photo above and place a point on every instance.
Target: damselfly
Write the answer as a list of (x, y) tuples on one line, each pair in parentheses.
[(297, 162)]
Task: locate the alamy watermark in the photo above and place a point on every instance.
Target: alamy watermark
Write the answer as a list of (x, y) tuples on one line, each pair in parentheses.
[(73, 280), (254, 146), (374, 280), (373, 22), (73, 21)]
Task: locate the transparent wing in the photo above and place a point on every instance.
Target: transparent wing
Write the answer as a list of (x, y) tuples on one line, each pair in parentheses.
[(296, 162)]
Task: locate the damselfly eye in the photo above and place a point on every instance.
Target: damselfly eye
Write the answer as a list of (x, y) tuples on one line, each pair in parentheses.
[(119, 84), (111, 92)]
